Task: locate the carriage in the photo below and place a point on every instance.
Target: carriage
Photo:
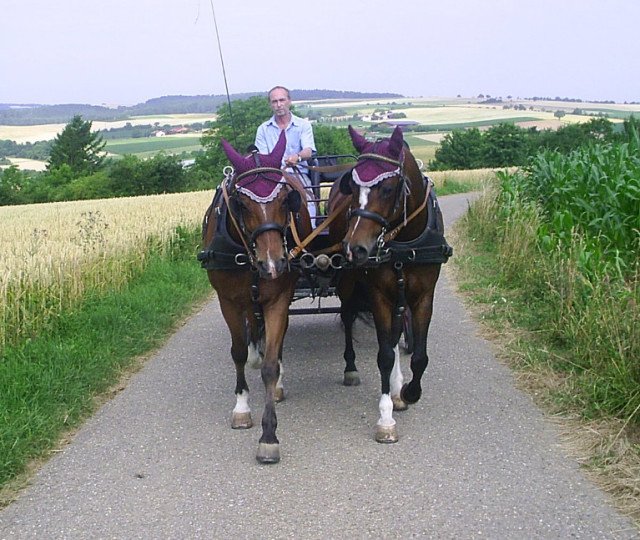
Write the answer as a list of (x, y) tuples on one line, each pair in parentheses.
[(377, 234)]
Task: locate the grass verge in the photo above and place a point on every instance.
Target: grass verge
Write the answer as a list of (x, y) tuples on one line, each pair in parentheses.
[(514, 294), (49, 384), (450, 182)]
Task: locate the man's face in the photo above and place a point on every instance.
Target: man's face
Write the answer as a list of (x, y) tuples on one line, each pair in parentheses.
[(280, 102)]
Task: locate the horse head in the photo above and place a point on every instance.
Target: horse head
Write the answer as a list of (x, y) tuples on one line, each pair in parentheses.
[(380, 185), (262, 202)]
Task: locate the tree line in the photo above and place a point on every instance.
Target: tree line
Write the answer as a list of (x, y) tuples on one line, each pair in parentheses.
[(506, 145)]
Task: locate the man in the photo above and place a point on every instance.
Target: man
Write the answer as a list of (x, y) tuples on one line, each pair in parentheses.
[(300, 143)]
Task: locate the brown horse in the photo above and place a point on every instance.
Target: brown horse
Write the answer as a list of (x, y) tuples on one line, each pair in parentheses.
[(246, 233), (393, 237)]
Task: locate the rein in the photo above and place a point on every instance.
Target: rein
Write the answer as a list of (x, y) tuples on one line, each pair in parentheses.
[(393, 233), (302, 244)]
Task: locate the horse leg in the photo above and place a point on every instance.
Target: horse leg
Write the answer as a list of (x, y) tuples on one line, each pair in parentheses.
[(348, 314), (276, 316), (386, 431), (421, 320), (351, 377), (235, 319), (255, 332), (279, 395), (396, 383)]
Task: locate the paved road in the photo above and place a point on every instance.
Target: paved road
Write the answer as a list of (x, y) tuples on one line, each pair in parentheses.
[(476, 459)]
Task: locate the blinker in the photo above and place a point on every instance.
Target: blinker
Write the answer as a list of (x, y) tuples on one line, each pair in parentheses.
[(345, 184), (294, 201)]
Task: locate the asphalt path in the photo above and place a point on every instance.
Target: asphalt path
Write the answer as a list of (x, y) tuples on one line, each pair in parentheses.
[(476, 458)]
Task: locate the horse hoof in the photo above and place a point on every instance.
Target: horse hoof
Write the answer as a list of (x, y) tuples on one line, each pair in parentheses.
[(399, 404), (386, 434), (268, 453), (241, 420), (351, 378), (410, 399), (279, 395)]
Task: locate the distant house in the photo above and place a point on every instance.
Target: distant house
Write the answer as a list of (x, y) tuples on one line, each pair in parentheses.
[(377, 116), (178, 130)]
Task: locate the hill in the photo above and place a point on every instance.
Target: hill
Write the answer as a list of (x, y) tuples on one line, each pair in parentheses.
[(34, 114)]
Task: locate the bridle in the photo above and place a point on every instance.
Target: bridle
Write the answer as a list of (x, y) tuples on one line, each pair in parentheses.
[(232, 199), (400, 195)]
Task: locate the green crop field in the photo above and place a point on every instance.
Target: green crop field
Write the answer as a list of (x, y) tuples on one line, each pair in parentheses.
[(152, 145)]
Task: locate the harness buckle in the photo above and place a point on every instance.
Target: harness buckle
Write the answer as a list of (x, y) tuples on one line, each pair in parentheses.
[(241, 259)]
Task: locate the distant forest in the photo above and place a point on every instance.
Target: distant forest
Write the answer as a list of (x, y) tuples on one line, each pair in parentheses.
[(26, 115)]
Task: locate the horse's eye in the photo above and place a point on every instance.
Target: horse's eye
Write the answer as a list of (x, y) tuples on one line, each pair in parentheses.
[(386, 191)]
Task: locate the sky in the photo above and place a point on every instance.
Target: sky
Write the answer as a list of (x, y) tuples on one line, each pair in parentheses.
[(123, 52)]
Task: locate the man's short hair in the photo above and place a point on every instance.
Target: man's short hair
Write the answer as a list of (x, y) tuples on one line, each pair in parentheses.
[(281, 88)]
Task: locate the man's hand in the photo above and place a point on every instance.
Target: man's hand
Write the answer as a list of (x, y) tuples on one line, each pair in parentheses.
[(293, 159)]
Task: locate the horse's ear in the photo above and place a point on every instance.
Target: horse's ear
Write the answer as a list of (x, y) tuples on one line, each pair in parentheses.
[(396, 142), (359, 142), (294, 201), (234, 157), (345, 184), (279, 148)]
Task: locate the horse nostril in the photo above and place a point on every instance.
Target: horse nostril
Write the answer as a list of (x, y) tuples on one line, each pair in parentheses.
[(281, 265), (360, 254)]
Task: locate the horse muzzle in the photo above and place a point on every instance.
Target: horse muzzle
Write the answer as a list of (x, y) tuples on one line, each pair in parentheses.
[(356, 254), (272, 268)]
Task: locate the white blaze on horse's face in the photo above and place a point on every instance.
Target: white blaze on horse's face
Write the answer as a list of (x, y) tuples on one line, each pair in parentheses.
[(363, 199), (270, 262)]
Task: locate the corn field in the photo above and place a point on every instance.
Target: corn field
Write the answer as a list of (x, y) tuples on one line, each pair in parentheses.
[(53, 254), (569, 226)]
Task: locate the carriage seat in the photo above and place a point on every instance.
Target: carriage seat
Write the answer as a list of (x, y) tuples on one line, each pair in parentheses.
[(327, 178)]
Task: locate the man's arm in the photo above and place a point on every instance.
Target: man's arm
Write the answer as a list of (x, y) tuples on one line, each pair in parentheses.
[(307, 141)]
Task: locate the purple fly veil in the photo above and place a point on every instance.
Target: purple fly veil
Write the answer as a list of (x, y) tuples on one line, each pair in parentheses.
[(262, 187), (370, 172)]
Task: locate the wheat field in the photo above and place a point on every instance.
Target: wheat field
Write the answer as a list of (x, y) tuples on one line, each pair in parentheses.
[(52, 254)]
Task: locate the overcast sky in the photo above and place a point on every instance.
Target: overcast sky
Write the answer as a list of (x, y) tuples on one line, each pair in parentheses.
[(122, 52)]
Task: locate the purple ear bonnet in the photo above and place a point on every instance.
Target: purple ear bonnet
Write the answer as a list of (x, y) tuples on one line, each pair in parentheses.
[(370, 172), (262, 187)]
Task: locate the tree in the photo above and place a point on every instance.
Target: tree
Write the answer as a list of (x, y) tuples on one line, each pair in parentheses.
[(134, 176), (460, 149), (332, 140), (237, 126), (506, 145), (11, 183), (77, 147)]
